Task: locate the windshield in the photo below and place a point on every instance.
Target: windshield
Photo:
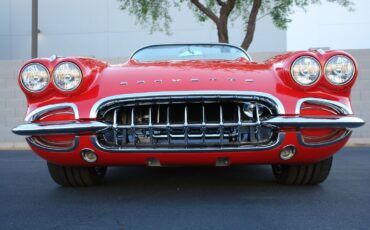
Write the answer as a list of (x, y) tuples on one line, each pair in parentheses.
[(189, 52)]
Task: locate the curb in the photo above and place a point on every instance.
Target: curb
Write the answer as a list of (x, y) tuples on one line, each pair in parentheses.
[(358, 142)]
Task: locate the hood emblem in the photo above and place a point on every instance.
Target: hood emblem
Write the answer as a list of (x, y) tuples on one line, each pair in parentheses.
[(192, 80)]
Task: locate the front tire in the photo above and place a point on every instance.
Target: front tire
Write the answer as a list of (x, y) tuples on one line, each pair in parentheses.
[(76, 176), (308, 174)]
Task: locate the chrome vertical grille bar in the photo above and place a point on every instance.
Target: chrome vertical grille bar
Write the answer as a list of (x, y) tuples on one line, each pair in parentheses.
[(133, 131), (150, 126), (168, 129), (258, 122), (115, 130), (239, 125), (221, 125), (203, 128), (186, 124), (150, 116), (257, 115)]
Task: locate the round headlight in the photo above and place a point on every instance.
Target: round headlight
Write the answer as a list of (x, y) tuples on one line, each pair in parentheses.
[(305, 70), (35, 77), (67, 76), (339, 70)]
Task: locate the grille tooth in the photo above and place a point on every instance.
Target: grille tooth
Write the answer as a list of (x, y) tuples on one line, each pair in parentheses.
[(115, 129), (187, 123), (221, 126)]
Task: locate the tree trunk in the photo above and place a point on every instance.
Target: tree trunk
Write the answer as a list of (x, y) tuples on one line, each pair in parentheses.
[(222, 32), (222, 20), (251, 25)]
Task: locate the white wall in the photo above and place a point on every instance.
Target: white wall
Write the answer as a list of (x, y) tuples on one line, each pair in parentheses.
[(98, 28), (328, 25), (15, 29)]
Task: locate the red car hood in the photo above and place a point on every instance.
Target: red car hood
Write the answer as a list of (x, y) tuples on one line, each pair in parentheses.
[(184, 76)]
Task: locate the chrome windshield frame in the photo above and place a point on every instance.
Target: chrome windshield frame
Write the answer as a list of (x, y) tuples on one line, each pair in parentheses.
[(195, 44)]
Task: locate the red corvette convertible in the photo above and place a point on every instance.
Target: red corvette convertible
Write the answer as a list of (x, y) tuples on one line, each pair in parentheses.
[(189, 104)]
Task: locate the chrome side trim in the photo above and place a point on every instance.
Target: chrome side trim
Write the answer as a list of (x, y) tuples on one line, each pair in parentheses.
[(339, 107), (58, 113), (316, 122), (122, 97), (35, 114), (279, 141), (31, 141), (49, 128), (342, 137)]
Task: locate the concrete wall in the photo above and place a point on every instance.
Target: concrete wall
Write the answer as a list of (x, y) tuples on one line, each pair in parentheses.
[(329, 25), (99, 28), (13, 104)]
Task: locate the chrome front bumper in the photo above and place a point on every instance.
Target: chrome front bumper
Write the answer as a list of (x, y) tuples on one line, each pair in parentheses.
[(91, 127), (278, 120)]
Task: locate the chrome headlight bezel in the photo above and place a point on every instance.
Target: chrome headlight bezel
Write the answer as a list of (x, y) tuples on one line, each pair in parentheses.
[(55, 80), (353, 69), (317, 75), (43, 68)]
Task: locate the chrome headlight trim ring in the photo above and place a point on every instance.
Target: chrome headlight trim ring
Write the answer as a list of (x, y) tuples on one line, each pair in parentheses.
[(298, 59), (39, 65), (351, 62)]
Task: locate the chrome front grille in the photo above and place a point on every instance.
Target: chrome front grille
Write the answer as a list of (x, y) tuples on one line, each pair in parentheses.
[(196, 122)]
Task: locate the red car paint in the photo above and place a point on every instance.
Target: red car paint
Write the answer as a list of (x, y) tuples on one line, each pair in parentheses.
[(101, 80)]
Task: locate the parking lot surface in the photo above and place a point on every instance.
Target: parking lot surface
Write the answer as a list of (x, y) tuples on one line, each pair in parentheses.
[(240, 197)]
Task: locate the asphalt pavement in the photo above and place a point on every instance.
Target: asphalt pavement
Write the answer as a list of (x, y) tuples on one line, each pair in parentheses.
[(242, 197)]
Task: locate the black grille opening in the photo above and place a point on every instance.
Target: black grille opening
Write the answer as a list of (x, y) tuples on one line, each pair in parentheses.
[(176, 113), (230, 113), (195, 114)]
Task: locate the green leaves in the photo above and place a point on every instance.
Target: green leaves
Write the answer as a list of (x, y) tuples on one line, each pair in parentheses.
[(151, 13), (281, 10), (155, 13)]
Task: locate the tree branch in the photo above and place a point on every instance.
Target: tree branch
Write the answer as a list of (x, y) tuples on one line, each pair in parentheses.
[(222, 26), (251, 25), (228, 7), (205, 10), (220, 2), (269, 12)]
